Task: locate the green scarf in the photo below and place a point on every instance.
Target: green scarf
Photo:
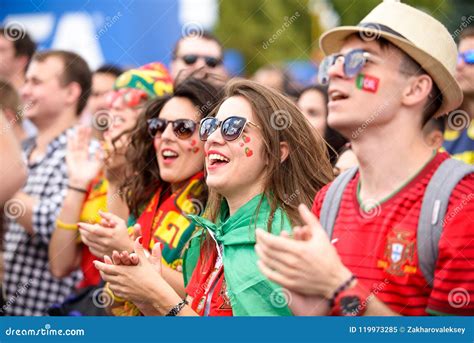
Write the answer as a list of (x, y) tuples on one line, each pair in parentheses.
[(250, 292)]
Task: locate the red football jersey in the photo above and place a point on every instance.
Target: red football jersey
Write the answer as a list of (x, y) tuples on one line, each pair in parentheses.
[(208, 288), (380, 246)]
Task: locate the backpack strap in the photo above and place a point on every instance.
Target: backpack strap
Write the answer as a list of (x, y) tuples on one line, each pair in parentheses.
[(433, 210), (333, 198)]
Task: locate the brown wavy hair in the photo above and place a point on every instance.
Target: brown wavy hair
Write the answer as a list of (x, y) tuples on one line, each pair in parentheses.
[(145, 178), (303, 173)]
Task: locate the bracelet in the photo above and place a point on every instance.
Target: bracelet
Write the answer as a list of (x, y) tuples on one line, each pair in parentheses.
[(339, 289), (111, 293), (177, 308), (80, 190), (66, 226)]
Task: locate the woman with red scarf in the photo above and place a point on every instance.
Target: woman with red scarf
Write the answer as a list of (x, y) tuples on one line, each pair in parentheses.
[(167, 162)]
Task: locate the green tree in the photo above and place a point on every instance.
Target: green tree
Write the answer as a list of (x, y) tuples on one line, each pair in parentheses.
[(352, 11), (273, 31), (265, 31)]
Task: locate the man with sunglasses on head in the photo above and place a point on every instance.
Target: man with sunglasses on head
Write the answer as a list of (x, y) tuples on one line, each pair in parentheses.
[(199, 51), (384, 239), (459, 136)]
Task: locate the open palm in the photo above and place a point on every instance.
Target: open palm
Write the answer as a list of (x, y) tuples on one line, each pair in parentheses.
[(82, 167)]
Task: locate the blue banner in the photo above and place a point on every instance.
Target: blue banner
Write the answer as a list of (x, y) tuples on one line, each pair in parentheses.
[(293, 329), (128, 33)]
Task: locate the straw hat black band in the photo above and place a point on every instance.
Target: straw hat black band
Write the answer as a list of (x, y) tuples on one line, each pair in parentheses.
[(383, 28), (419, 35)]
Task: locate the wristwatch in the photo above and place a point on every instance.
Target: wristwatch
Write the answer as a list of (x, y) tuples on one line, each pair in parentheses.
[(350, 302), (176, 309)]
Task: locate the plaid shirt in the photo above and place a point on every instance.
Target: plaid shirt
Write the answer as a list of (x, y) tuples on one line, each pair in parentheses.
[(28, 285)]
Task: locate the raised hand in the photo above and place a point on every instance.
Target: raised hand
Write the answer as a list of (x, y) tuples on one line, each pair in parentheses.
[(82, 167), (115, 161)]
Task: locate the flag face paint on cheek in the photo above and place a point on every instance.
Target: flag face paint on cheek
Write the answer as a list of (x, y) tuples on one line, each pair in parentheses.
[(367, 83), (245, 139), (247, 150), (193, 148)]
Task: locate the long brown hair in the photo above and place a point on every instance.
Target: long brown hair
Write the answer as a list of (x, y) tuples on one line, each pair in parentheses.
[(305, 171), (145, 177)]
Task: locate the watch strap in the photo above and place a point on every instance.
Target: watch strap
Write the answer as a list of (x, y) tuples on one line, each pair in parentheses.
[(177, 308)]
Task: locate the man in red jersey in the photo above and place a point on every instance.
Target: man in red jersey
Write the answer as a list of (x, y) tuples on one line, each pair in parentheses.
[(387, 79)]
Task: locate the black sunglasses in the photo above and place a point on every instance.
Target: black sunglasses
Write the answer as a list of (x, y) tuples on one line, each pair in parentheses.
[(182, 128), (231, 128), (210, 61)]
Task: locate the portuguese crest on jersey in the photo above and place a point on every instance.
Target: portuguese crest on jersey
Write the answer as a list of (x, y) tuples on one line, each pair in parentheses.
[(399, 253)]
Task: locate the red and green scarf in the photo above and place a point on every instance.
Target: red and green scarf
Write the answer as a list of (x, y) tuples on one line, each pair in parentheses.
[(165, 219)]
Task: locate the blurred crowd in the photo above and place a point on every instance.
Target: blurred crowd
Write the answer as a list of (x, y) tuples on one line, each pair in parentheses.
[(180, 191)]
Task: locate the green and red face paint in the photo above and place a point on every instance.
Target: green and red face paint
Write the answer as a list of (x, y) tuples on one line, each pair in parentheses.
[(194, 148), (367, 83), (247, 150)]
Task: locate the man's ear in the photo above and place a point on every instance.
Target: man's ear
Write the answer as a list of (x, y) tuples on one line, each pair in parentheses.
[(73, 92), (418, 90), (284, 151), (435, 139)]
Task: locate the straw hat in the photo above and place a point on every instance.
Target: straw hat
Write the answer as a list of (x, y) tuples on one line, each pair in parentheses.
[(416, 33)]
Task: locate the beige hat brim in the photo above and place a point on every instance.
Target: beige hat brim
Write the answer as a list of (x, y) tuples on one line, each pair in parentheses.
[(333, 40)]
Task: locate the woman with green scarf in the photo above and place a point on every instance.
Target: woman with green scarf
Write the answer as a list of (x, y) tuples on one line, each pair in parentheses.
[(262, 161)]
